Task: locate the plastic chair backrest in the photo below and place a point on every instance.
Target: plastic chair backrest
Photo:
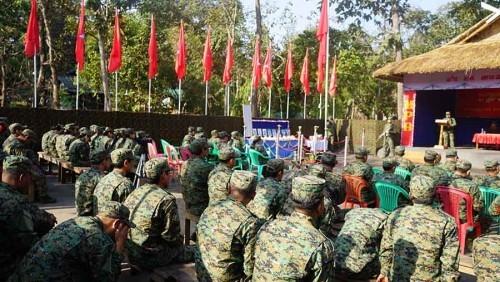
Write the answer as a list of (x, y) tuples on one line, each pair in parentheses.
[(166, 150), (354, 186), (451, 198), (388, 195), (489, 196), (254, 157), (152, 150), (403, 173), (185, 153), (377, 170)]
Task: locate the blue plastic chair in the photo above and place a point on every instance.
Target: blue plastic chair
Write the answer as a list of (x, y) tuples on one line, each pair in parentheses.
[(388, 195)]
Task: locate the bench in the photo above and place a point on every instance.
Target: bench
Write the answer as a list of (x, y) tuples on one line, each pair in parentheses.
[(66, 169)]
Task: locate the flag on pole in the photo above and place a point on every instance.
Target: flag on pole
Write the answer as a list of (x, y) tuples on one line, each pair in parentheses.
[(304, 75), (115, 58), (333, 79), (207, 59), (32, 37), (256, 66), (80, 39), (153, 51), (321, 37), (226, 77), (288, 70), (267, 74), (180, 60)]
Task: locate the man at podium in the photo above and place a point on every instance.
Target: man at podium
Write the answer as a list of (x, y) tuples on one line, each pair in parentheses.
[(449, 131)]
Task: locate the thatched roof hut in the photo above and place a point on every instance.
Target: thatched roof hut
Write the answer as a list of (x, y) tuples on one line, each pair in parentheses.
[(478, 48)]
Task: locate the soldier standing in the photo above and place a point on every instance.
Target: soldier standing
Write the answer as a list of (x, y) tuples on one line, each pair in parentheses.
[(115, 186), (218, 179), (387, 134), (85, 183), (292, 248), (419, 242), (81, 249), (194, 178), (404, 163), (270, 194), (79, 150), (462, 180), (156, 240), (449, 131), (332, 134), (227, 231)]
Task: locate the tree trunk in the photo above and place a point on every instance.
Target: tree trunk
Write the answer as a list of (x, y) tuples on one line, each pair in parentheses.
[(104, 71), (3, 73), (258, 33), (53, 70), (396, 31)]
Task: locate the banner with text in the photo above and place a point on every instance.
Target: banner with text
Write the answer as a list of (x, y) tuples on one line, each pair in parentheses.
[(408, 121), (478, 103)]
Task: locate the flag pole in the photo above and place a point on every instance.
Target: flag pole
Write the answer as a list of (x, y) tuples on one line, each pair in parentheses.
[(180, 97), (229, 99), (305, 104), (287, 104), (333, 108), (116, 91), (269, 106), (206, 98), (35, 102), (149, 96), (320, 105), (326, 77), (225, 100), (281, 108), (77, 85)]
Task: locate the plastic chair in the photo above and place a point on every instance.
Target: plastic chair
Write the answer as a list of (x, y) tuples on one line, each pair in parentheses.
[(213, 155), (403, 173), (388, 195), (377, 170), (185, 153), (451, 198), (256, 161), (152, 151), (354, 186), (172, 156), (489, 195), (240, 162)]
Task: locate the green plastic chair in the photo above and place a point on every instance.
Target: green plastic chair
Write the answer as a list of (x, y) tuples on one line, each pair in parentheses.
[(213, 155), (403, 173), (489, 195), (256, 161), (388, 195), (377, 170), (241, 162)]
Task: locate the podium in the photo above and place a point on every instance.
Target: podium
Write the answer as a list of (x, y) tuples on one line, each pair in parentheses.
[(441, 123)]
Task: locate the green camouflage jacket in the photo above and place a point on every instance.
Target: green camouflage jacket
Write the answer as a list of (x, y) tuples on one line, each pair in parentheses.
[(467, 185), (359, 168), (84, 191), (449, 166), (112, 187), (488, 181), (194, 182), (486, 258), (405, 163), (218, 181), (440, 176), (63, 142), (79, 153), (45, 140), (269, 199)]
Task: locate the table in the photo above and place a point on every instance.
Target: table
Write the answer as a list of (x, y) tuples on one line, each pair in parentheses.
[(486, 139)]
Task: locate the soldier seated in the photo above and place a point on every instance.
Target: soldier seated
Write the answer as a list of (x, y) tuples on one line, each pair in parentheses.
[(451, 161), (388, 176), (429, 168), (492, 177), (79, 150), (463, 181), (218, 179), (404, 163)]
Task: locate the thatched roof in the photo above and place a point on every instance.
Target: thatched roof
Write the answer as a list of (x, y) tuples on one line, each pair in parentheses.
[(476, 48)]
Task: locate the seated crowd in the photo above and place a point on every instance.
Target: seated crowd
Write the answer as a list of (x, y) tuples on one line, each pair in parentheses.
[(282, 225)]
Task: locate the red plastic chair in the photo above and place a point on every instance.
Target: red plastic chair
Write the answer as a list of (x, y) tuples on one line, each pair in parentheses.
[(354, 186), (185, 153), (153, 152), (451, 198)]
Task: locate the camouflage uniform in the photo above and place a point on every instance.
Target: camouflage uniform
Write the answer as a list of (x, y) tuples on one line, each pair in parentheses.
[(404, 163), (46, 140), (450, 164), (440, 176), (491, 181), (236, 141), (13, 127), (392, 178), (449, 131), (22, 222), (79, 153), (419, 242), (51, 144), (194, 182), (357, 245), (466, 184), (75, 250), (227, 232), (63, 142), (218, 180), (188, 138), (292, 248), (214, 140), (84, 191), (358, 167)]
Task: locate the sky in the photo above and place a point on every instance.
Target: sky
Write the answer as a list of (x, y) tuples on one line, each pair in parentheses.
[(306, 12)]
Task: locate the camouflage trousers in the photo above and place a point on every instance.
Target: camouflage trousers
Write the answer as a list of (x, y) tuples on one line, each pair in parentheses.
[(39, 183), (449, 139), (486, 255), (201, 270), (157, 257), (368, 272)]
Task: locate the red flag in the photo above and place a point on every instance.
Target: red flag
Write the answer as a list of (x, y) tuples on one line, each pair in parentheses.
[(304, 75), (321, 36), (153, 51), (180, 60), (226, 77), (256, 66), (333, 79), (115, 58), (288, 71), (207, 59), (80, 39), (32, 37), (266, 69)]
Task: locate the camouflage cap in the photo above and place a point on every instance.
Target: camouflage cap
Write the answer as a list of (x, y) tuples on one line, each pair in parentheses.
[(84, 131), (223, 134), (98, 157), (463, 164), (307, 190), (235, 134), (430, 155), (490, 164), (198, 145), (214, 133), (227, 153), (155, 167), (243, 180), (116, 210), (29, 133), (361, 152), (199, 129), (329, 159), (399, 150), (19, 164), (422, 188), (317, 170), (15, 126), (389, 162), (275, 165), (120, 155), (451, 153)]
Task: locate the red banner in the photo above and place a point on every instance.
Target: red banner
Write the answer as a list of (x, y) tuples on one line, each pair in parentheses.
[(478, 103), (408, 121)]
